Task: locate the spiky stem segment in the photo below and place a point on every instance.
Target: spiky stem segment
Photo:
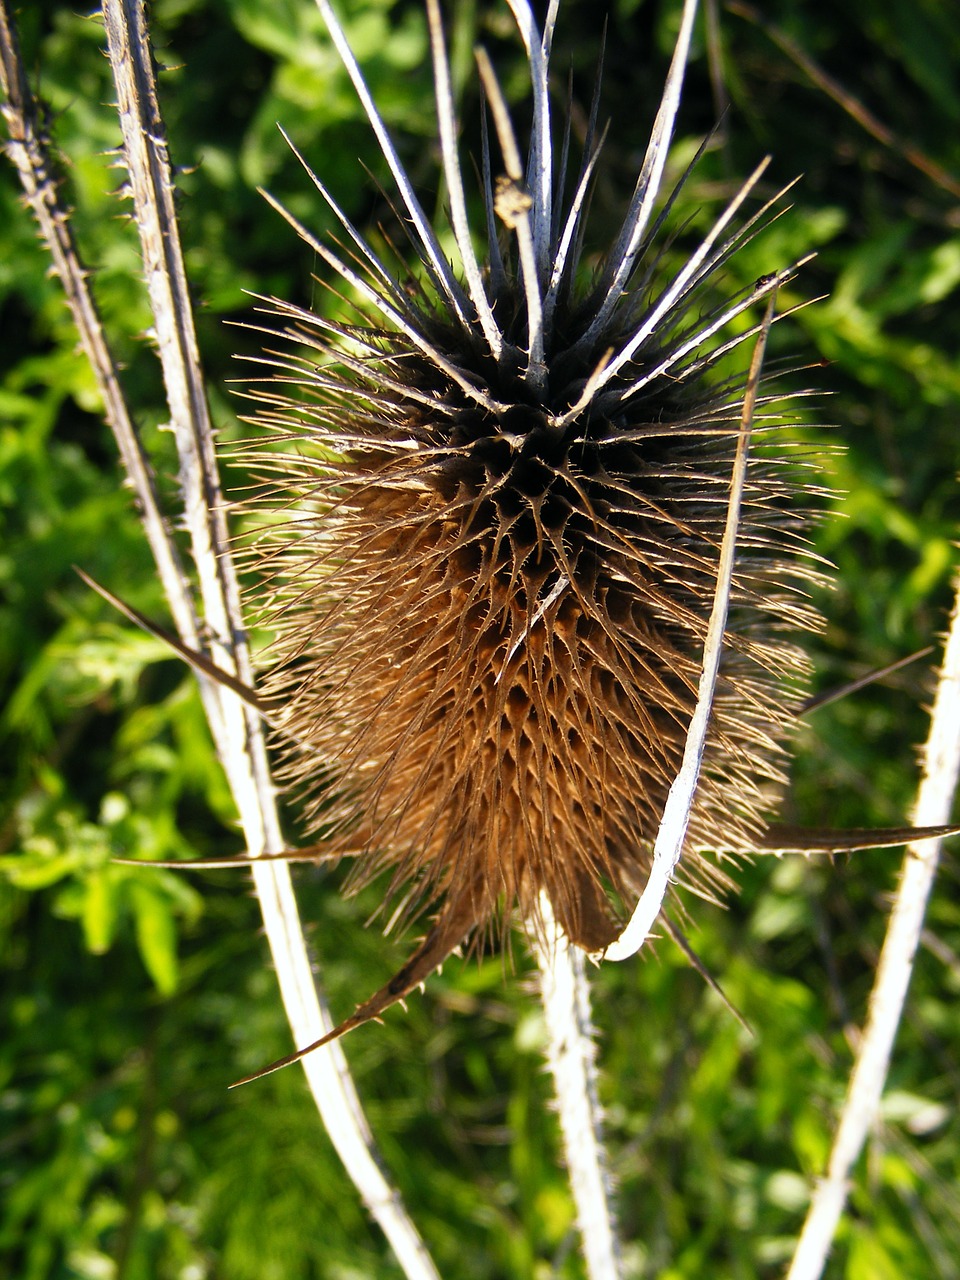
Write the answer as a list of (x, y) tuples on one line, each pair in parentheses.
[(941, 770), (571, 1057), (28, 148), (236, 728)]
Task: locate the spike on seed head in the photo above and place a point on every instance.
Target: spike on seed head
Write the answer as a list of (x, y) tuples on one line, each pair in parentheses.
[(494, 511)]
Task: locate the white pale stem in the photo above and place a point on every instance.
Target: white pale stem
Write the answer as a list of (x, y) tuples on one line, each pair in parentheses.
[(541, 155), (328, 1073), (436, 261), (446, 120), (239, 736), (676, 812), (941, 766), (571, 1057), (520, 220), (641, 208)]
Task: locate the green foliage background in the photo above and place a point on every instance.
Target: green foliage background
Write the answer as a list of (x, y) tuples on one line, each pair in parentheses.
[(130, 999)]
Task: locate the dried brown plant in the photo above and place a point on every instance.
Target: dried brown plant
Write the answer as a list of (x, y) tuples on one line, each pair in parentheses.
[(491, 515)]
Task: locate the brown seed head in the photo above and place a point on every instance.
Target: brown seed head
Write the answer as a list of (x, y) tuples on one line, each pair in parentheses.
[(492, 517)]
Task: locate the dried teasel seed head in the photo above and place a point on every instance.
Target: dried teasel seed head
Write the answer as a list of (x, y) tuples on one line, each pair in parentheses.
[(491, 515)]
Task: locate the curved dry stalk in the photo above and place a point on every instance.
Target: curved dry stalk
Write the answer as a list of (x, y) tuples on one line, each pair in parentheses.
[(676, 813), (571, 1057), (235, 728), (941, 768)]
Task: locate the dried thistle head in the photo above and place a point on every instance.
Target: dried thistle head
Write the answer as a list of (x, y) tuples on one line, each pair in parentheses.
[(492, 513)]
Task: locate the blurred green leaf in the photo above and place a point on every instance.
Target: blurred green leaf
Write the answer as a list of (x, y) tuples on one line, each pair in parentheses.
[(156, 936)]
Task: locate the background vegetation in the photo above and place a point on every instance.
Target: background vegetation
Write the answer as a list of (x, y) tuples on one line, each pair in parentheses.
[(130, 999)]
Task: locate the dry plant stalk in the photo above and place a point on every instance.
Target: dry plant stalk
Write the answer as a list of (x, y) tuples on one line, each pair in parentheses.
[(571, 1058), (861, 1107), (236, 731)]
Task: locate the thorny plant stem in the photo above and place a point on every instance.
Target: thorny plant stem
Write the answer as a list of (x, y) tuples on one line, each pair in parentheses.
[(28, 149), (237, 732), (241, 746), (571, 1057), (941, 767)]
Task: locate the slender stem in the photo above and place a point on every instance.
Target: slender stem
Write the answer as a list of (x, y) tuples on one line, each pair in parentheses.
[(941, 767), (433, 258), (236, 728), (571, 1057), (28, 148), (447, 125), (242, 747)]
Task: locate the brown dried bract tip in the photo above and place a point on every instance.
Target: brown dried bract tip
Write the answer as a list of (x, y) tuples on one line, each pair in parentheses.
[(491, 523)]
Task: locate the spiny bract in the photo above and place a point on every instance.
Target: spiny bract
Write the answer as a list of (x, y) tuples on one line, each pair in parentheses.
[(492, 515)]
